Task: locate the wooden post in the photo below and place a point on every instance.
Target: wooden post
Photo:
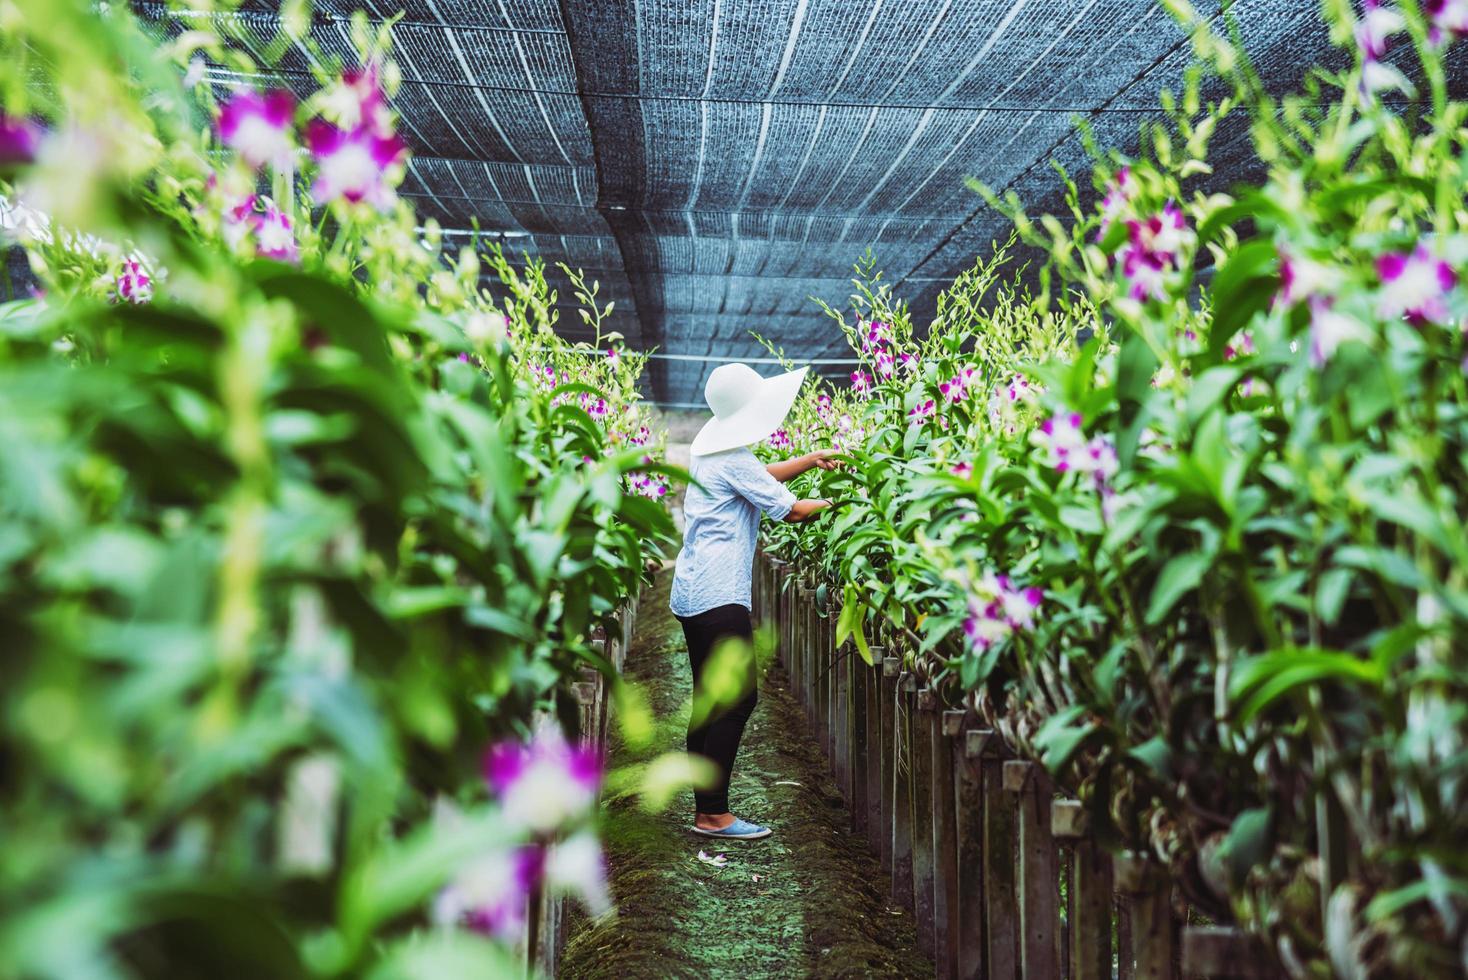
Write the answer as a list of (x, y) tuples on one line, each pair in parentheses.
[(969, 811), (828, 726), (1147, 895), (886, 724), (783, 618), (903, 711), (922, 820), (945, 726), (1001, 848), (802, 615), (1039, 871), (849, 659), (543, 932), (803, 656), (1126, 960), (856, 757), (872, 761), (1219, 952), (840, 719), (1090, 897)]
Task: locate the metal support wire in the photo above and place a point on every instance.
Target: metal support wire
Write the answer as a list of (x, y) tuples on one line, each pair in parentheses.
[(721, 359)]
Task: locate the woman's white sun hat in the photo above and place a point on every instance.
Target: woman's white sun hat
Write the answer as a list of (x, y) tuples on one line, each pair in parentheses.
[(746, 407)]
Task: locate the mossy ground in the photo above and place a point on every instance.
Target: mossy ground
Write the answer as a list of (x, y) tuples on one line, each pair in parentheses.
[(819, 905)]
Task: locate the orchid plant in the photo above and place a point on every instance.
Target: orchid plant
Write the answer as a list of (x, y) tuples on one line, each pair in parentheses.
[(299, 527), (1195, 541)]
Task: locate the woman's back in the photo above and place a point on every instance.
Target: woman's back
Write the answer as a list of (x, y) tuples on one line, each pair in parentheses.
[(721, 510)]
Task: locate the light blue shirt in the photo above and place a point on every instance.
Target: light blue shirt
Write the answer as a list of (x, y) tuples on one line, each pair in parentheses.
[(721, 515)]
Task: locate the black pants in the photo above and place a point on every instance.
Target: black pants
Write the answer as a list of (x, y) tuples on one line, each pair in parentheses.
[(718, 737)]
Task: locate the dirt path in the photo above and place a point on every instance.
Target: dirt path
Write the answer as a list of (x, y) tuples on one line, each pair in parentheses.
[(808, 902)]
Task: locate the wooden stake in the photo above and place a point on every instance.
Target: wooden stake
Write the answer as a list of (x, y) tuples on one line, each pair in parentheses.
[(1001, 850), (904, 710), (945, 844), (1039, 871), (1153, 929), (1225, 952), (872, 764), (969, 810), (922, 821), (828, 667), (1090, 895), (856, 758), (841, 720), (886, 723)]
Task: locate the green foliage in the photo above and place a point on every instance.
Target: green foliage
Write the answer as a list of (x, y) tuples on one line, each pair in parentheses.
[(281, 552), (1238, 499)]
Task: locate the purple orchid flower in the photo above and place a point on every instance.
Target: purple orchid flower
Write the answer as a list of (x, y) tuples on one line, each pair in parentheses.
[(1446, 19), (885, 363), (1329, 328), (876, 334), (275, 236), (133, 284), (359, 102), (921, 412), (352, 166), (1120, 193), (998, 609), (1154, 249), (1375, 28), (491, 896), (1301, 278), (545, 784), (1068, 450), (861, 383), (1415, 286), (20, 140), (259, 127), (1373, 36)]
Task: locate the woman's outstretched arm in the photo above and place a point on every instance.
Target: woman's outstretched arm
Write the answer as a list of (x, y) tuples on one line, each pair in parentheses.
[(804, 510), (788, 469)]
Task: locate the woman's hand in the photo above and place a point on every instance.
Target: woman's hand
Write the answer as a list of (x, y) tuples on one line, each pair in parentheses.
[(826, 459), (789, 469)]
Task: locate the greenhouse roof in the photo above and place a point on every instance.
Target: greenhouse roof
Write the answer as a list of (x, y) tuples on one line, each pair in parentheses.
[(717, 163)]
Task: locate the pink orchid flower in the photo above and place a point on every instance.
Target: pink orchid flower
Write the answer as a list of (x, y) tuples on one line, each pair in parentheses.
[(491, 895), (352, 166), (1415, 286), (20, 140), (1447, 18), (259, 127), (133, 284), (545, 784)]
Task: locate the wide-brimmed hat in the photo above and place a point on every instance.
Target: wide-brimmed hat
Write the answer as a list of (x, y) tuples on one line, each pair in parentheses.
[(746, 407)]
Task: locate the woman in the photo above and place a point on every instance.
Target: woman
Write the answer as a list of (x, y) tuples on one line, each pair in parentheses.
[(712, 582)]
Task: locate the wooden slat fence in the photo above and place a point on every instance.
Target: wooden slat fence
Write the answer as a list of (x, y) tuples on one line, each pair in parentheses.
[(1002, 872)]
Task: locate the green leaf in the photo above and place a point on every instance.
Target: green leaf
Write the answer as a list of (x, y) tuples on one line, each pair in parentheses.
[(1179, 576), (1259, 682), (433, 956), (861, 644), (1156, 755), (1062, 735), (1249, 843), (1209, 388), (845, 622), (1243, 286)]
